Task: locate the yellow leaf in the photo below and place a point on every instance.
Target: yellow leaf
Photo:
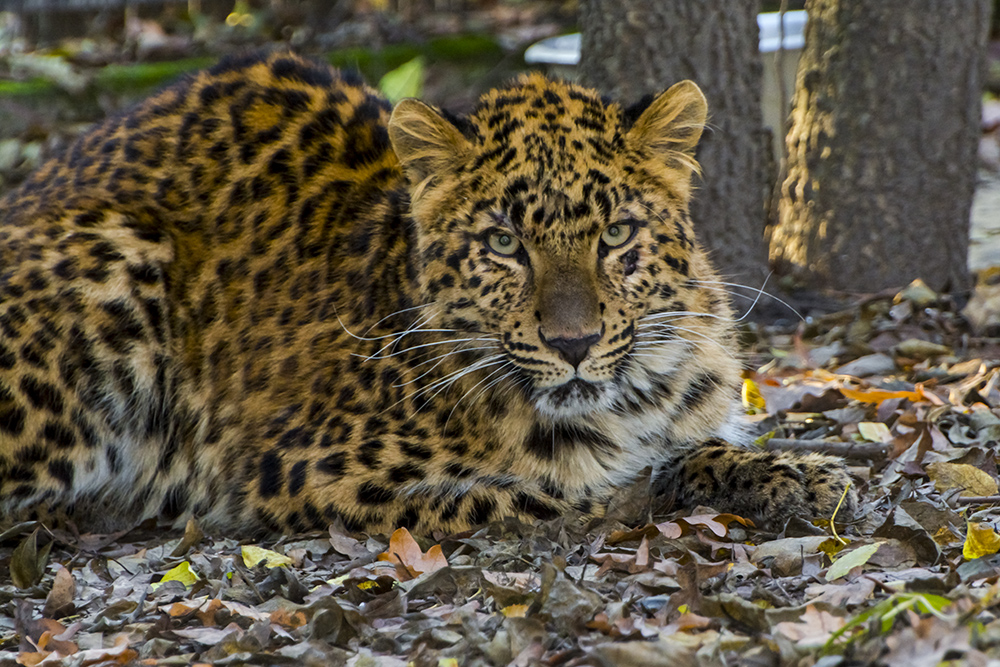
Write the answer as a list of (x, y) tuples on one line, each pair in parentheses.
[(753, 402), (980, 540), (447, 662), (874, 431), (181, 572), (972, 480), (850, 560), (253, 556), (515, 610)]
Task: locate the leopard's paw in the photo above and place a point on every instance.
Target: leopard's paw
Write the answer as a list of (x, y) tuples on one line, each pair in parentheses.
[(764, 486)]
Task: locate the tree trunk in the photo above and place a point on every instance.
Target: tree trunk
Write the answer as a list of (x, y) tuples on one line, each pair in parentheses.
[(634, 47), (882, 148)]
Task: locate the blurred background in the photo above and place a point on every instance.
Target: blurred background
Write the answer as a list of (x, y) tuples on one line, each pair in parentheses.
[(846, 155)]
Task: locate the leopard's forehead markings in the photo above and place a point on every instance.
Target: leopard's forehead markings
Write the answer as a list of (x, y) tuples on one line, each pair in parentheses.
[(553, 146)]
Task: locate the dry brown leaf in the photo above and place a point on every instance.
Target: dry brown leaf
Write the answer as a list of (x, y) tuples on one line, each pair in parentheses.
[(972, 480), (716, 523), (813, 630), (206, 613), (407, 557), (59, 601), (289, 619), (343, 543)]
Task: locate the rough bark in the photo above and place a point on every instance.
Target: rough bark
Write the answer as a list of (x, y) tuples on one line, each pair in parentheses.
[(634, 47), (882, 147)]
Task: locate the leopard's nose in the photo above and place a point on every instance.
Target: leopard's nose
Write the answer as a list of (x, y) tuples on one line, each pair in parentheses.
[(572, 350)]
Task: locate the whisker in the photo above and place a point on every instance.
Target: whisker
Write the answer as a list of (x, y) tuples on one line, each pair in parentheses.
[(759, 292), (443, 383), (376, 355), (400, 312), (414, 326), (440, 358), (471, 389)]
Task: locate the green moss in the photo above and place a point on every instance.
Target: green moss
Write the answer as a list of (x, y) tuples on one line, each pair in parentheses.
[(129, 78), (139, 78), (464, 47), (36, 86), (374, 64)]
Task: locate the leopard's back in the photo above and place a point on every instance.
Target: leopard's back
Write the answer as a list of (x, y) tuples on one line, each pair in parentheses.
[(163, 277)]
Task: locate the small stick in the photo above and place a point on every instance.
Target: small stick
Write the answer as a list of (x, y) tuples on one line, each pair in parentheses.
[(849, 450), (833, 528), (978, 500)]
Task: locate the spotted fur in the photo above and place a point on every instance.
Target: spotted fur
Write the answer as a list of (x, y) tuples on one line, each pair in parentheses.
[(267, 299)]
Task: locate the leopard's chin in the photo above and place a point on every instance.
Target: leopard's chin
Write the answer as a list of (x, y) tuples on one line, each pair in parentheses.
[(574, 398)]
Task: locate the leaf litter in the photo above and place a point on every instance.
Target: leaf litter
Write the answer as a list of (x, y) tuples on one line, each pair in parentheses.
[(897, 385)]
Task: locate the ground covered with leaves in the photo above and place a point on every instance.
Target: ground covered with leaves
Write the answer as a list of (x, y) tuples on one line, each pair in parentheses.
[(895, 384)]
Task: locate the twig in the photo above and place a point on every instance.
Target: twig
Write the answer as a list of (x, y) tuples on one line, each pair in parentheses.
[(978, 500), (849, 450), (833, 528)]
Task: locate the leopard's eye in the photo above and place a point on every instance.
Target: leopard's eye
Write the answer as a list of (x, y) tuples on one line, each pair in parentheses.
[(617, 235), (503, 243)]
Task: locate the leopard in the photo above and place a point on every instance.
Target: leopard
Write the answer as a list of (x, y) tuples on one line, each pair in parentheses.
[(270, 300)]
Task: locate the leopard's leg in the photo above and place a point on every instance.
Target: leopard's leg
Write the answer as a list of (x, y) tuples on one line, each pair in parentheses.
[(768, 487)]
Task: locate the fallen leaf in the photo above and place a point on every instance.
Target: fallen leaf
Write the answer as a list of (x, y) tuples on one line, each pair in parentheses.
[(515, 610), (27, 563), (874, 431), (181, 572), (841, 594), (753, 402), (850, 560), (815, 628), (59, 601), (290, 619), (879, 395), (981, 539), (407, 557), (253, 556), (972, 480), (343, 543)]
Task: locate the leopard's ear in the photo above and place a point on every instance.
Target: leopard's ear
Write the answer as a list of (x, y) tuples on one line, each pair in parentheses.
[(671, 125), (425, 142)]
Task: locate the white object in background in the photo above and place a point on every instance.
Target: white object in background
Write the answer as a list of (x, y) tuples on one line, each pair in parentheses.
[(565, 49)]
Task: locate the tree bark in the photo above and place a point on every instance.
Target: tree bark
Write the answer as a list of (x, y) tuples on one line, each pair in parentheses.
[(882, 147), (634, 47)]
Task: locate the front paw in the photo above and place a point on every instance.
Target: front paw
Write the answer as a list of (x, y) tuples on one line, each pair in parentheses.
[(767, 487)]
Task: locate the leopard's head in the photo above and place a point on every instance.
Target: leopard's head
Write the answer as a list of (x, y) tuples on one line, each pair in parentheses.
[(556, 225)]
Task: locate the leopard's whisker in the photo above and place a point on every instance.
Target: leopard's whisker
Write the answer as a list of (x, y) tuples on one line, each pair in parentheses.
[(440, 360), (443, 383), (680, 314), (702, 338), (449, 379), (471, 389), (400, 312), (758, 291), (376, 355), (463, 372), (416, 326)]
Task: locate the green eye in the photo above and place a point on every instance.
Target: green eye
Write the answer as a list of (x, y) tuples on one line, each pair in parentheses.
[(617, 235), (503, 243)]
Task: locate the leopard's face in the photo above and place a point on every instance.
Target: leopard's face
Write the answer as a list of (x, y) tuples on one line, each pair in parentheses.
[(552, 228)]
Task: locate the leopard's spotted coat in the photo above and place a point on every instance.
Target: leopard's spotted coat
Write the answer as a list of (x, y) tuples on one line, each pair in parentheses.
[(265, 298)]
